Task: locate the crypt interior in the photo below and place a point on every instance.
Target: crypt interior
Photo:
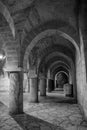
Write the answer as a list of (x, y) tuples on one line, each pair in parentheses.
[(43, 66)]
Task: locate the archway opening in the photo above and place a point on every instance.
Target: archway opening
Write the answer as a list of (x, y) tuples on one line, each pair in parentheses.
[(61, 79), (46, 49)]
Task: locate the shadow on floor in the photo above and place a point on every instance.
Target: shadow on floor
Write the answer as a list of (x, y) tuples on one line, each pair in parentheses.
[(23, 121), (3, 109), (28, 122)]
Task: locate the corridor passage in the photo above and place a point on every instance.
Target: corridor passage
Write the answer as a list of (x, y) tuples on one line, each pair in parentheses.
[(43, 64), (49, 114)]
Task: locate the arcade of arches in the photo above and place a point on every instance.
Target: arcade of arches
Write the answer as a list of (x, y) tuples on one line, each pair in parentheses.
[(43, 51)]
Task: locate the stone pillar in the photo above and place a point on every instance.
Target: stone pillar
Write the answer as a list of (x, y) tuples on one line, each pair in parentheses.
[(68, 90), (55, 84), (50, 85), (28, 84), (42, 86), (33, 90), (16, 92), (70, 78)]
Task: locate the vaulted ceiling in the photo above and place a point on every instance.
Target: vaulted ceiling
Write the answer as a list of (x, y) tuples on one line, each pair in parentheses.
[(21, 9), (28, 19)]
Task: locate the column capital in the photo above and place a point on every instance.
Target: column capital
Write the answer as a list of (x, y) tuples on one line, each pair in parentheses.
[(32, 74), (42, 77), (13, 70), (50, 79)]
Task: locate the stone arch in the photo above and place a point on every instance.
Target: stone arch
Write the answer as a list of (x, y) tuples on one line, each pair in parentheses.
[(63, 72), (55, 56), (69, 76), (59, 68), (59, 63), (55, 51), (55, 69), (58, 54), (4, 11), (49, 32)]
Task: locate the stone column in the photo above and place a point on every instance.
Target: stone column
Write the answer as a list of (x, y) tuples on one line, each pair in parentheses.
[(42, 86), (33, 90), (28, 84), (70, 78), (55, 84), (25, 83), (16, 92), (50, 85)]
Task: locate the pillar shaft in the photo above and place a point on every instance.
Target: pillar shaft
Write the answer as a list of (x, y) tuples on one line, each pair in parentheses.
[(28, 85), (33, 90), (28, 80), (16, 93), (42, 86), (55, 84), (50, 85)]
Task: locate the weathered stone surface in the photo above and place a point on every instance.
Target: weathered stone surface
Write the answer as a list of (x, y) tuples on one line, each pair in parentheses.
[(33, 90), (44, 115), (36, 19), (42, 86), (16, 93), (50, 85)]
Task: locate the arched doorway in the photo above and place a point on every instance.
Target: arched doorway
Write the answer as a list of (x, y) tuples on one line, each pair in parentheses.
[(46, 49)]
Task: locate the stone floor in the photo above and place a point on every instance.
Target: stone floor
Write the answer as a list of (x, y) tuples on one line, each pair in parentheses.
[(49, 114)]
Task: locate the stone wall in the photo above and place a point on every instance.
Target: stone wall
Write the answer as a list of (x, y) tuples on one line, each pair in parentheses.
[(4, 83), (81, 79), (25, 83), (82, 64)]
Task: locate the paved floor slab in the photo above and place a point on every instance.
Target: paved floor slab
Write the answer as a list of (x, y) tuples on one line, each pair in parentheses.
[(48, 114)]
